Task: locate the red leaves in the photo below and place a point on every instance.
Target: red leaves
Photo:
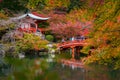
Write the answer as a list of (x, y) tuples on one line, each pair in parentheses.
[(51, 2), (118, 19), (64, 26), (68, 29)]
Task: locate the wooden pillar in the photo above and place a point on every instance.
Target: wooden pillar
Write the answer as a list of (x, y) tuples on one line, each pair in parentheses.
[(77, 52), (73, 53), (36, 26), (60, 50)]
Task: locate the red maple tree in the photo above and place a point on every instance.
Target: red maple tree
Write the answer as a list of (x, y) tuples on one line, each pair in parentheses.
[(64, 28)]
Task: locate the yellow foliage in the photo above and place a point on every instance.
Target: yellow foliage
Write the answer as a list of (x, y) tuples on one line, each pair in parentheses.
[(51, 4), (31, 41), (3, 16)]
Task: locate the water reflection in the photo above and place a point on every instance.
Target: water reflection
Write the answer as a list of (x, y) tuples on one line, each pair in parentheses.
[(40, 69)]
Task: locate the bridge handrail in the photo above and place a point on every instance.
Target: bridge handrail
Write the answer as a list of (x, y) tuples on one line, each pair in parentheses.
[(70, 42)]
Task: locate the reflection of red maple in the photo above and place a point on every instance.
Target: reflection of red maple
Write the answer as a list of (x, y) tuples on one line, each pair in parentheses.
[(0, 0)]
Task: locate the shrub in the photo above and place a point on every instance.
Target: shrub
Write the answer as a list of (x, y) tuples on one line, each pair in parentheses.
[(49, 38), (31, 42)]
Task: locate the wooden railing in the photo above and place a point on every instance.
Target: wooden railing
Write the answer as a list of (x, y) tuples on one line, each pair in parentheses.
[(68, 44)]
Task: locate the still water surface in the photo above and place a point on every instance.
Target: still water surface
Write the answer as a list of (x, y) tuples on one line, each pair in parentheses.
[(40, 69)]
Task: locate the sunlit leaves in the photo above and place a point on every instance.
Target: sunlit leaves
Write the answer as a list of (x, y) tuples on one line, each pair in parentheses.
[(47, 4), (34, 3), (57, 3), (105, 35), (2, 15), (31, 42)]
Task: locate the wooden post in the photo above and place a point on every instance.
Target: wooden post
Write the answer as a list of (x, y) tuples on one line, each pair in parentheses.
[(73, 53), (78, 51)]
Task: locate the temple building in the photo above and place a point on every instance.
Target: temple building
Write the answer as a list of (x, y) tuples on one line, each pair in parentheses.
[(29, 22)]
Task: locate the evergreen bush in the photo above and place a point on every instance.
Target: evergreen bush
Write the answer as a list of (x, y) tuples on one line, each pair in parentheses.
[(49, 38)]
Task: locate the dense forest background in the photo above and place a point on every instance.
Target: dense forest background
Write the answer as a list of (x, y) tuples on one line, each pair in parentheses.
[(101, 20)]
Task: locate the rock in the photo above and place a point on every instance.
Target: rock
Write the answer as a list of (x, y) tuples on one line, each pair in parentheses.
[(49, 60), (50, 45), (11, 49), (11, 36), (1, 46), (8, 37), (52, 55), (21, 55), (18, 34), (52, 51), (2, 53)]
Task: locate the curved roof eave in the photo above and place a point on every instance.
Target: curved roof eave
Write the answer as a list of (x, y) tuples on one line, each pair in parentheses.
[(32, 16), (20, 17), (37, 17)]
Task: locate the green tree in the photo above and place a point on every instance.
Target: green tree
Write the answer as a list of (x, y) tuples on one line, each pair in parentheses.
[(36, 4), (75, 4), (13, 5)]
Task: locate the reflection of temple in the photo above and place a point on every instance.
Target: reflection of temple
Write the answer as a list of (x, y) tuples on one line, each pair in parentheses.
[(29, 22)]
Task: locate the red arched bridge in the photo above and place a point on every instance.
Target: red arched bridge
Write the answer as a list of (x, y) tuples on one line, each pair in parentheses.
[(75, 45), (69, 44)]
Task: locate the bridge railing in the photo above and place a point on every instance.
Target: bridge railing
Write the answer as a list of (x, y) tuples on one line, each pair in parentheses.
[(70, 42)]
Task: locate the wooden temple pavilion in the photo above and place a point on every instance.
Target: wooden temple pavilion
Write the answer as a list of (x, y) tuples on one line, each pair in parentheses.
[(29, 22)]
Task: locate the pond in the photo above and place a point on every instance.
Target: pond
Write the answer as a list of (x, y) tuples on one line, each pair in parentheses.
[(42, 69)]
